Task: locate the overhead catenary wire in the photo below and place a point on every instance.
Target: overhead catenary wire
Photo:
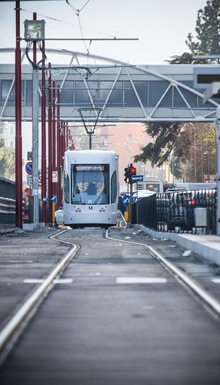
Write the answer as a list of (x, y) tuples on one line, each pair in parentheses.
[(77, 12), (67, 23)]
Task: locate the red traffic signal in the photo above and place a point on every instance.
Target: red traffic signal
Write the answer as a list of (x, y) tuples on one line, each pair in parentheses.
[(132, 169)]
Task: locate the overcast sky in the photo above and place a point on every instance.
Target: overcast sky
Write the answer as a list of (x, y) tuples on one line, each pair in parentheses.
[(160, 25)]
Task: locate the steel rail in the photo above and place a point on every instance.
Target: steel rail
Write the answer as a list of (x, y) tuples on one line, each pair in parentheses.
[(194, 286), (13, 325)]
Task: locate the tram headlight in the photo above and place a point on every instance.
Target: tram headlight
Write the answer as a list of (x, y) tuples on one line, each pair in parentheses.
[(102, 210), (77, 209)]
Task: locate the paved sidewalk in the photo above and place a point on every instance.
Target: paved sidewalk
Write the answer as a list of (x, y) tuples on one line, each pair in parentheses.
[(207, 246)]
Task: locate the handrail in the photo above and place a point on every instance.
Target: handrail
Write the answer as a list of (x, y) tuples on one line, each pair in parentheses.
[(7, 206)]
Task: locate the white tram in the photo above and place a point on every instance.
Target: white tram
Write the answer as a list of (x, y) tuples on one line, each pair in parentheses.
[(90, 188)]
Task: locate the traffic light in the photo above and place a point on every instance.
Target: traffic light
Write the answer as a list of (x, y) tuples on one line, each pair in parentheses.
[(127, 175), (29, 155), (132, 169)]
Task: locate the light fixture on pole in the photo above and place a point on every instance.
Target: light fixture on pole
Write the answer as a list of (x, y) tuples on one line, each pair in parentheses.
[(208, 164), (34, 32)]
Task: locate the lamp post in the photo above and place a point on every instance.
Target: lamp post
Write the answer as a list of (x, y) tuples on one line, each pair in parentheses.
[(34, 31), (18, 138), (126, 144), (208, 164)]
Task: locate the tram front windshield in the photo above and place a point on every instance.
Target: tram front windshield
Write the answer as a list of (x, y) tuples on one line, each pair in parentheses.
[(90, 184)]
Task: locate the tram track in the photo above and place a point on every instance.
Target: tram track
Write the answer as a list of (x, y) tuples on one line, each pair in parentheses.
[(124, 317), (16, 321), (200, 294), (208, 301)]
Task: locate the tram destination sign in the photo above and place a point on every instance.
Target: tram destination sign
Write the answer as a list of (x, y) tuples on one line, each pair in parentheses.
[(137, 178)]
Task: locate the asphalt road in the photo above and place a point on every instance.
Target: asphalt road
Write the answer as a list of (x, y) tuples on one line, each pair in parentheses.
[(118, 318)]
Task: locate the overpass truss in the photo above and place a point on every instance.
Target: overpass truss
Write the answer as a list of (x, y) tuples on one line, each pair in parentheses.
[(115, 90)]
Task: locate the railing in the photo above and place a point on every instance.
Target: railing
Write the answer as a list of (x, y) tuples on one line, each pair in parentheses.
[(176, 211), (7, 203), (7, 211)]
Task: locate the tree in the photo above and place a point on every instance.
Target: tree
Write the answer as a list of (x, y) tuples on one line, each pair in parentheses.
[(207, 30), (187, 58), (168, 137), (7, 161), (200, 158), (207, 36), (159, 151)]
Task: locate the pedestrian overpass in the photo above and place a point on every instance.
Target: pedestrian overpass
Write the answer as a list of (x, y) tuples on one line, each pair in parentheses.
[(113, 91)]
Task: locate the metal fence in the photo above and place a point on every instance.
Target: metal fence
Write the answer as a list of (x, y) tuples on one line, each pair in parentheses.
[(178, 211), (144, 211), (7, 203)]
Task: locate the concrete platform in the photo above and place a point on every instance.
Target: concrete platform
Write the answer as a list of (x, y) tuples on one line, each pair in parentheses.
[(207, 246)]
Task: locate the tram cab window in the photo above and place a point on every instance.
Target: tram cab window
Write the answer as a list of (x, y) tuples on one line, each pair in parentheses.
[(89, 184)]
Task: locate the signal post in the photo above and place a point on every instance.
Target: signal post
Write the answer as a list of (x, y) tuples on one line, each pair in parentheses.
[(129, 172)]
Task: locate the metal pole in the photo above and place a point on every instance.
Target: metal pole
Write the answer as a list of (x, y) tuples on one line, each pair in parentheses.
[(137, 206), (202, 155), (66, 136), (56, 145), (195, 161), (49, 146), (63, 149), (18, 134), (43, 142), (59, 156), (208, 166), (131, 191), (35, 139), (218, 171), (53, 138), (90, 140)]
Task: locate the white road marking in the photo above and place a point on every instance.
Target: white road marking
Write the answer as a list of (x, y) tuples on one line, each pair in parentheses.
[(16, 261), (216, 280), (64, 280), (140, 280)]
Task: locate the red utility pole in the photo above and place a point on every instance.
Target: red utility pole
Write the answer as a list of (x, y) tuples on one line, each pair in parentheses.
[(49, 145), (53, 138), (59, 155), (43, 141)]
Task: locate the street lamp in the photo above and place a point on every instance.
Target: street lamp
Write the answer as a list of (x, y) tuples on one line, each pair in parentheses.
[(34, 30), (126, 144), (208, 164)]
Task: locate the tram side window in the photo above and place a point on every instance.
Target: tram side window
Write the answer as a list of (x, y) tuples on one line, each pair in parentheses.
[(113, 188), (66, 188)]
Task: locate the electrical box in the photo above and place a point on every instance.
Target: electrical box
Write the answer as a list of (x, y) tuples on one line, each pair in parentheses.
[(200, 217)]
